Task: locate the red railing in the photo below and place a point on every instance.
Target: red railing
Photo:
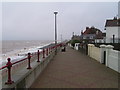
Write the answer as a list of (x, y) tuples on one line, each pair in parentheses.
[(9, 63)]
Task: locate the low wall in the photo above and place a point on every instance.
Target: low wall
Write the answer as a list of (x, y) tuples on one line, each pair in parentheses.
[(112, 58), (94, 52), (105, 55), (26, 77), (76, 46)]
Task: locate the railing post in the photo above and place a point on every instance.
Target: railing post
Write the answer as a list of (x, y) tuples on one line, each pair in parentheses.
[(47, 51), (51, 49), (43, 53), (9, 72), (29, 57), (38, 56), (56, 49)]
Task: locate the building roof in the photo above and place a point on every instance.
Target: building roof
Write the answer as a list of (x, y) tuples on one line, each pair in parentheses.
[(112, 23), (91, 30), (89, 35)]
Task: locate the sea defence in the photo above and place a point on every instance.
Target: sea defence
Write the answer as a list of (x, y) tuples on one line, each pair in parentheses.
[(23, 73)]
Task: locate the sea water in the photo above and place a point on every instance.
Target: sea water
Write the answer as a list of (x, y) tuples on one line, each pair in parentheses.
[(16, 49)]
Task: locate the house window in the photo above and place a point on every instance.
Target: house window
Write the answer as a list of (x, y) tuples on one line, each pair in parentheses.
[(91, 37), (87, 37), (84, 37)]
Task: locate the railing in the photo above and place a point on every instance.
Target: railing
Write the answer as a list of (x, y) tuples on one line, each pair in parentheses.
[(44, 52)]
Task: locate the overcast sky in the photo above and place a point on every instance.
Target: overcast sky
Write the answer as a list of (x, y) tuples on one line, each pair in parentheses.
[(35, 20)]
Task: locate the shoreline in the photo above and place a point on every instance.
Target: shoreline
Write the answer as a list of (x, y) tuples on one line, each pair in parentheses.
[(19, 54), (47, 46)]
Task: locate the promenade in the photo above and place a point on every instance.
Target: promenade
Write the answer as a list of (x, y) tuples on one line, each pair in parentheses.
[(72, 69)]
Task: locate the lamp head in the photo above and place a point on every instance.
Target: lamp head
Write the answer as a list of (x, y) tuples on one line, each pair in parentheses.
[(55, 12)]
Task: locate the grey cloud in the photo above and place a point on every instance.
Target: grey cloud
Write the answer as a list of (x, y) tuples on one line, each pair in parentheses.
[(36, 20)]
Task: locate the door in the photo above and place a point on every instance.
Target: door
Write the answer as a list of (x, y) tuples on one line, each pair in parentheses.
[(104, 59)]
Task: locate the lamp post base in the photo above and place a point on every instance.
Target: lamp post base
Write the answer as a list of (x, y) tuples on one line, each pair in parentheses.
[(9, 82), (29, 68)]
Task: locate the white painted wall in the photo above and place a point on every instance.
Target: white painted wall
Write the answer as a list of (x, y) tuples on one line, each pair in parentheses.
[(94, 52), (110, 31), (76, 46), (112, 59), (119, 32), (112, 56), (70, 45)]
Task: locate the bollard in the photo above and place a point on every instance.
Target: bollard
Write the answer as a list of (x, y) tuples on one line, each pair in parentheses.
[(38, 56), (43, 53), (29, 57), (9, 72)]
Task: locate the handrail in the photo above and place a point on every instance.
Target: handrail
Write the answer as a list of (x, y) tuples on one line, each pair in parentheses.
[(4, 67), (19, 61), (35, 53), (43, 52)]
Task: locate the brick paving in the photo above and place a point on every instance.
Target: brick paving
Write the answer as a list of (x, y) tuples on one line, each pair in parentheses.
[(72, 69)]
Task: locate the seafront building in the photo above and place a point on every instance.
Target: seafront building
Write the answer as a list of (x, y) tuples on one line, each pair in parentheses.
[(112, 28)]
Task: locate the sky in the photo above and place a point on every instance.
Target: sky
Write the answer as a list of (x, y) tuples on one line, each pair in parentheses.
[(35, 20)]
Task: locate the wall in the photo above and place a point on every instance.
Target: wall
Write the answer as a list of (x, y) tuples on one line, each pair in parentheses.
[(94, 52), (112, 59), (76, 46), (119, 34), (24, 78)]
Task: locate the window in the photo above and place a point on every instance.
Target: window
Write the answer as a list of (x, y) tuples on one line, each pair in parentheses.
[(91, 37)]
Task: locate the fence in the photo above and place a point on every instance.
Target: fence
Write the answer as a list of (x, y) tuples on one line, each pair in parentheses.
[(44, 55)]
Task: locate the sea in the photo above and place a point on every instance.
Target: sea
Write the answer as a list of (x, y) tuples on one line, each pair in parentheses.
[(15, 49)]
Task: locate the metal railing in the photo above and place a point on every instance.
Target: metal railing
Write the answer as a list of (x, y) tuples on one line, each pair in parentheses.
[(44, 52)]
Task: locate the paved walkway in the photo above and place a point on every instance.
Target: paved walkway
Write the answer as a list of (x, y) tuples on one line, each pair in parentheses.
[(72, 69)]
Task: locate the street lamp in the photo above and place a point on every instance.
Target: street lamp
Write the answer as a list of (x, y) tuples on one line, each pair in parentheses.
[(113, 38), (55, 32)]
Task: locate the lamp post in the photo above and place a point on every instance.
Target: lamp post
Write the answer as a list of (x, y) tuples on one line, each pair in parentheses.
[(55, 32), (113, 38)]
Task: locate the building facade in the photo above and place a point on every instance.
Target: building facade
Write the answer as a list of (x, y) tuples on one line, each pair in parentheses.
[(91, 34), (112, 28)]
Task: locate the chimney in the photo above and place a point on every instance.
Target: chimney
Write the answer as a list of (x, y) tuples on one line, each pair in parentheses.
[(115, 18), (87, 28)]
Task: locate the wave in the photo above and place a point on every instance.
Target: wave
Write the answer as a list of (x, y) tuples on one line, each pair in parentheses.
[(19, 53)]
